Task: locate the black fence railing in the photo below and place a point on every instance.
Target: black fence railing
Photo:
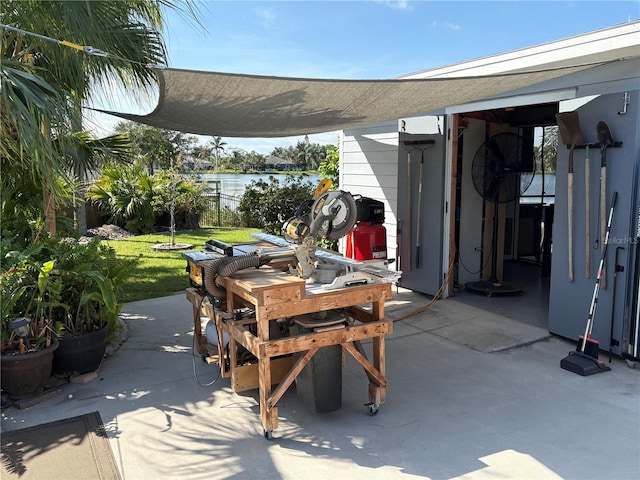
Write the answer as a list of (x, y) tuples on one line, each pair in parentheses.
[(221, 211)]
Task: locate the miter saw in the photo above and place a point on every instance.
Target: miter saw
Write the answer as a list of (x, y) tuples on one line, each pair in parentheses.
[(329, 214)]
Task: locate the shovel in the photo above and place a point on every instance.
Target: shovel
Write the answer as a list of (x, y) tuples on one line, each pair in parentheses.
[(569, 125), (605, 140)]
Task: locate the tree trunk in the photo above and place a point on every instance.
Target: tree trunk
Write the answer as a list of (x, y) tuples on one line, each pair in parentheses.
[(49, 204)]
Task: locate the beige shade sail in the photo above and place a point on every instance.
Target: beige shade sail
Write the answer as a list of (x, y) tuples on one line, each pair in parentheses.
[(235, 105)]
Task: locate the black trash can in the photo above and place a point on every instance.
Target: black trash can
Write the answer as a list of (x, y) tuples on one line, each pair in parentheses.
[(319, 384)]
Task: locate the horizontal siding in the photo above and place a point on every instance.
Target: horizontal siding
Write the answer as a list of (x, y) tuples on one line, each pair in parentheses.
[(374, 192), (367, 181), (379, 128), (364, 168), (369, 167)]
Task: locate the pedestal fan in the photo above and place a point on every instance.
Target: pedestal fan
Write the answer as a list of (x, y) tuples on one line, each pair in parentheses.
[(501, 171)]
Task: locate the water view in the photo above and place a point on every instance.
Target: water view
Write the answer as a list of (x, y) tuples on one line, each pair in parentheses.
[(535, 191), (235, 183)]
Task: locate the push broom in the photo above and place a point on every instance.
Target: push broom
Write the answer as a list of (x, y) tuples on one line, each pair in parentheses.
[(584, 361)]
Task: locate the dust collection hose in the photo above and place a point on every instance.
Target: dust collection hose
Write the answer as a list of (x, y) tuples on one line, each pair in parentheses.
[(224, 266), (210, 273), (232, 265)]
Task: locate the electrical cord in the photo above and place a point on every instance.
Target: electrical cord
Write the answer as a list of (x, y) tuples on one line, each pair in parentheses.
[(193, 354), (481, 268), (438, 294)]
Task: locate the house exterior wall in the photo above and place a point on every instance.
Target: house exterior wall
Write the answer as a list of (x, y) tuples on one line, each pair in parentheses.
[(368, 167), (369, 158)]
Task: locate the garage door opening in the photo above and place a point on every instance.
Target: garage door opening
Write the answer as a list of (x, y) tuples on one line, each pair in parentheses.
[(522, 235)]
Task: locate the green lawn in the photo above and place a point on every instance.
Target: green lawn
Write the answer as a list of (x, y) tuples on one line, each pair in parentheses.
[(163, 273)]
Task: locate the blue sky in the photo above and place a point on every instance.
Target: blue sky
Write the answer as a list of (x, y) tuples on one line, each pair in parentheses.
[(369, 38)]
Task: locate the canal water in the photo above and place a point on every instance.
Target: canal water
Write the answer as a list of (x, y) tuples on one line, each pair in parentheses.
[(235, 183)]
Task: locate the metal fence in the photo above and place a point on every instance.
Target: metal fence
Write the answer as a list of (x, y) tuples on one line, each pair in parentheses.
[(221, 211)]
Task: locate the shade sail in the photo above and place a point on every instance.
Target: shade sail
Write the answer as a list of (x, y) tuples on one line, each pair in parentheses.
[(234, 105)]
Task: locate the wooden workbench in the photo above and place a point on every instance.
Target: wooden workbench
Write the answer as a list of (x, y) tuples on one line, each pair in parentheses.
[(274, 294)]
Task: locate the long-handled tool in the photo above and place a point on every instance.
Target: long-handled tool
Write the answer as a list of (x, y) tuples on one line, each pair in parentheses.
[(569, 125), (617, 269), (419, 222), (587, 209), (606, 140), (399, 265), (414, 145), (409, 214), (570, 212), (584, 361)]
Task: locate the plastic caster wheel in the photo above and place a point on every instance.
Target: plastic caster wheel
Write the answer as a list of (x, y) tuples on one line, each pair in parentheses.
[(268, 434), (372, 409)]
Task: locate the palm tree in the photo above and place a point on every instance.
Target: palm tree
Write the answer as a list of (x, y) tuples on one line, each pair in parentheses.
[(547, 152), (44, 83), (217, 145)]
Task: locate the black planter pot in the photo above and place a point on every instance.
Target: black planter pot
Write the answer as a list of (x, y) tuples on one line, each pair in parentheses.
[(26, 375), (80, 353)]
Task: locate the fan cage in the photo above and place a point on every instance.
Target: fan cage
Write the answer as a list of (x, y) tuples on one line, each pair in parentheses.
[(501, 170)]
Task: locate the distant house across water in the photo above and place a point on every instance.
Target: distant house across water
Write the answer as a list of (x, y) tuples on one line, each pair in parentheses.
[(277, 164)]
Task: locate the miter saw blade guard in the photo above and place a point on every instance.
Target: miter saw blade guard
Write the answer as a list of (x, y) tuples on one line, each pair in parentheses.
[(331, 215)]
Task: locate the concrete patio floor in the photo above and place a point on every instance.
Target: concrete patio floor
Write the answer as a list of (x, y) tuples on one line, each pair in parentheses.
[(471, 395)]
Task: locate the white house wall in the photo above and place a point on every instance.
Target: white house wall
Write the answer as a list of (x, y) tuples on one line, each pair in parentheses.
[(369, 155), (368, 167)]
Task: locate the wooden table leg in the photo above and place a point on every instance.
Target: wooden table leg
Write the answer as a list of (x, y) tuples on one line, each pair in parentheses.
[(268, 416), (224, 360), (378, 393), (196, 299)]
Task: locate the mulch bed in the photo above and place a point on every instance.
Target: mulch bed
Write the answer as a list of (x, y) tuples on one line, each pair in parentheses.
[(108, 232)]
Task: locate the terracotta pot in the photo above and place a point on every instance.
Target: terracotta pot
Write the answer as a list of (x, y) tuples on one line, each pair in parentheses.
[(80, 353), (26, 375)]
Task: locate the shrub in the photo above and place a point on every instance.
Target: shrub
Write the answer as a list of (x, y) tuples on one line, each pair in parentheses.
[(268, 205), (169, 187), (139, 202)]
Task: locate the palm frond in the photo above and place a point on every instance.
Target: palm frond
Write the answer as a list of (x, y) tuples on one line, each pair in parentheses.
[(31, 110)]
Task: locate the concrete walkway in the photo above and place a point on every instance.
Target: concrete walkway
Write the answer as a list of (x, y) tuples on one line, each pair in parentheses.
[(471, 395)]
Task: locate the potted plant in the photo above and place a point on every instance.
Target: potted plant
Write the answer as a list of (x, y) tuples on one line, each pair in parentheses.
[(87, 314), (68, 287), (28, 338)]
